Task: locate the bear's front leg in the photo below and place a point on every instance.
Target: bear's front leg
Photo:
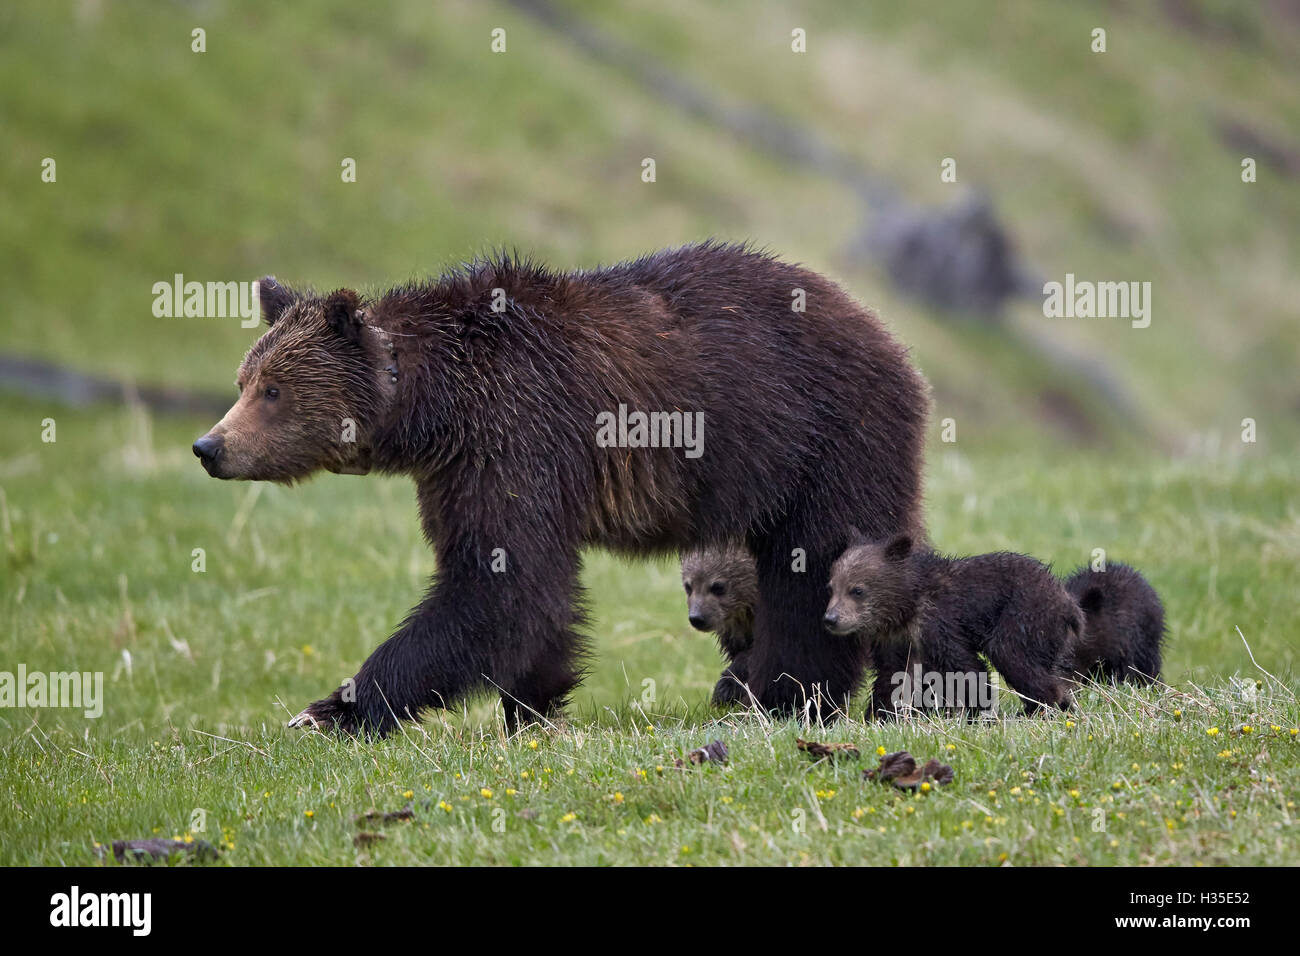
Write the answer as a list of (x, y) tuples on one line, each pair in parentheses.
[(434, 658), (502, 615), (732, 687), (329, 713)]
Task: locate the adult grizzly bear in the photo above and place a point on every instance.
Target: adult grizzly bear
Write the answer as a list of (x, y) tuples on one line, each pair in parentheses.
[(495, 387)]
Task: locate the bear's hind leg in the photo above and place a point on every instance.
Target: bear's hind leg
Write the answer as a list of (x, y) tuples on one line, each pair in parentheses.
[(794, 660), (1025, 653)]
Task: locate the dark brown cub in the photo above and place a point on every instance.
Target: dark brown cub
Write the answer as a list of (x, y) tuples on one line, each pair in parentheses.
[(929, 619), (1125, 625), (721, 590)]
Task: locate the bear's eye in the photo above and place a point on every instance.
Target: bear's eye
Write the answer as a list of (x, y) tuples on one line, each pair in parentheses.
[(272, 392), (857, 591), (717, 588), (687, 586)]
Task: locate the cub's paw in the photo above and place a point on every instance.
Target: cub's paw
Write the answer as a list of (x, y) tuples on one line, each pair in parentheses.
[(730, 690), (332, 713)]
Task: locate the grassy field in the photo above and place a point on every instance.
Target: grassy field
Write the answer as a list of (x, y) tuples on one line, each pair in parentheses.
[(203, 668)]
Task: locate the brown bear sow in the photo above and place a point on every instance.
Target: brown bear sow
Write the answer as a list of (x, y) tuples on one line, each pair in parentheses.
[(933, 616), (754, 401), (1125, 625), (721, 591)]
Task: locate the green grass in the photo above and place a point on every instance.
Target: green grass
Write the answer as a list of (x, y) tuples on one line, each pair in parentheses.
[(301, 584)]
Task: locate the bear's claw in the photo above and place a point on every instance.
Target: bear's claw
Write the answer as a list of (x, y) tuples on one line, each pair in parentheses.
[(307, 719), (324, 715)]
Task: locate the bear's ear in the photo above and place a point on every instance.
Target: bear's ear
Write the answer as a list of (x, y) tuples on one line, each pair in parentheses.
[(856, 536), (275, 298), (1090, 601), (343, 313), (898, 547)]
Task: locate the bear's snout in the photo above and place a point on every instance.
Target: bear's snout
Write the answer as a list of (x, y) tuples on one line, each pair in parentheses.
[(699, 622), (208, 450)]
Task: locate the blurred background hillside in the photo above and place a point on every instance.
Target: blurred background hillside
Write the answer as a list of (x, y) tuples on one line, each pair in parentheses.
[(1123, 165)]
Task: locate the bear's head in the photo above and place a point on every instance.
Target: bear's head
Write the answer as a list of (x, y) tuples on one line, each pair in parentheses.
[(873, 587), (721, 587), (311, 391)]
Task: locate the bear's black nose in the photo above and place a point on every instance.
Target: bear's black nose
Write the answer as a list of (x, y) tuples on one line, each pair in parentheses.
[(831, 620), (699, 623), (208, 449)]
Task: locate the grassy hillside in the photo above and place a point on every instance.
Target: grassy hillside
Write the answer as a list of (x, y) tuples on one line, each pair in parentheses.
[(226, 164)]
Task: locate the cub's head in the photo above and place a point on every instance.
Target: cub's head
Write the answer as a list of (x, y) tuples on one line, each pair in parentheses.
[(721, 587), (310, 391), (872, 587)]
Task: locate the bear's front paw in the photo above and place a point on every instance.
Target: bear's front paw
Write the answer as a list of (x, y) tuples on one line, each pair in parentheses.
[(729, 690), (332, 713)]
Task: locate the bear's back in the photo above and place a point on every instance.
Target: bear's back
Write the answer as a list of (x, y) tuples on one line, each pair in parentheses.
[(981, 589)]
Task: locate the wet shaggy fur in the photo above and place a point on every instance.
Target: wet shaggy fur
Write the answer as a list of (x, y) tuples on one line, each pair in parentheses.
[(813, 422), (1125, 625), (721, 587), (943, 613)]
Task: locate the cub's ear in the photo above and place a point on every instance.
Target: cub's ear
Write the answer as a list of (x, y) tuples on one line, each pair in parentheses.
[(1090, 601), (275, 298), (898, 547), (343, 313)]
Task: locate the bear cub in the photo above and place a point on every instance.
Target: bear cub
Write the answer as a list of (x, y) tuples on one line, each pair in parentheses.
[(928, 614), (1125, 625), (721, 590)]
